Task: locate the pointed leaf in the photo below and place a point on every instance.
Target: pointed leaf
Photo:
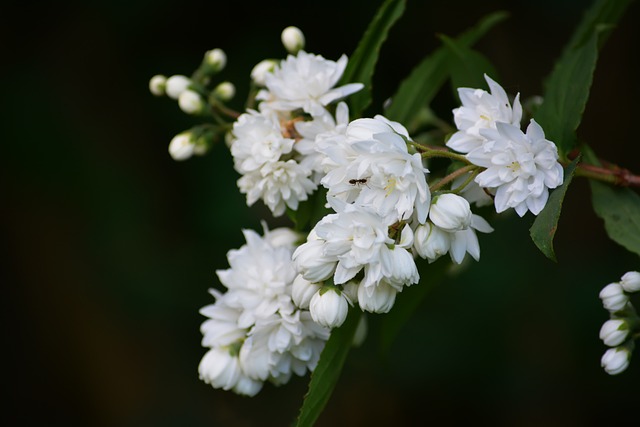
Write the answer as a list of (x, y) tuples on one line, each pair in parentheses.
[(327, 373), (620, 210), (544, 227), (467, 65), (426, 79), (363, 61), (603, 14)]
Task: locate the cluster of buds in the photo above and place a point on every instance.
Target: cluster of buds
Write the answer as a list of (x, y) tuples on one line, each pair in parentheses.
[(623, 327), (197, 96)]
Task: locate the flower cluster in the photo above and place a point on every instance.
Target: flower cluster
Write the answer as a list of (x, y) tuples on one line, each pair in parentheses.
[(364, 252), (254, 332), (620, 331), (521, 167)]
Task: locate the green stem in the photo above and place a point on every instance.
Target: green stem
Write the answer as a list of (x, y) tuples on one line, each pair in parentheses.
[(429, 153), (447, 179)]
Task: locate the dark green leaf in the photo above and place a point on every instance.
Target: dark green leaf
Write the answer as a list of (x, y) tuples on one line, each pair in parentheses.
[(310, 211), (603, 15), (620, 210), (566, 95), (409, 300), (426, 79), (544, 227), (326, 374), (467, 66), (363, 61)]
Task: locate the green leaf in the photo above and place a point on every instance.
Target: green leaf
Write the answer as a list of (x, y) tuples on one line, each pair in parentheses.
[(426, 79), (566, 95), (544, 227), (363, 61), (620, 210), (310, 211), (408, 302), (603, 15), (467, 65), (326, 374)]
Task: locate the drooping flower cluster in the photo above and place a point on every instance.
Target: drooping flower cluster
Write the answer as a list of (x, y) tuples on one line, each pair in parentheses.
[(364, 252), (254, 332), (623, 327), (273, 147), (521, 167)]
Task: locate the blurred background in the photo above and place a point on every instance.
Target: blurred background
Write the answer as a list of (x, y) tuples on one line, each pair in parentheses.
[(110, 246)]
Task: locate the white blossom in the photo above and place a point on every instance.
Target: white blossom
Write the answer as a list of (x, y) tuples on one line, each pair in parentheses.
[(260, 70), (183, 146), (630, 281), (225, 91), (176, 85), (157, 85), (450, 212), (329, 307), (520, 167), (216, 59), (306, 82), (292, 39), (614, 332), (190, 102), (377, 299), (302, 291), (613, 297), (615, 360), (278, 184), (482, 110), (372, 167)]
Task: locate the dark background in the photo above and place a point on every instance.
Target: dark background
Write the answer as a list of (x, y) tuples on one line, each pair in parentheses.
[(110, 246)]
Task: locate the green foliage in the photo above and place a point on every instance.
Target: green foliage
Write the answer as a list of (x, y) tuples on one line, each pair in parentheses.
[(327, 373), (620, 210), (310, 211), (363, 61), (544, 227), (467, 66), (426, 79)]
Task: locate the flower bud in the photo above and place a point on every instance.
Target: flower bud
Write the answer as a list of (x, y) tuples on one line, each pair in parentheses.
[(216, 59), (312, 263), (158, 84), (225, 91), (630, 281), (350, 291), (613, 297), (176, 85), (615, 360), (292, 39), (247, 386), (450, 212), (614, 332), (259, 72), (329, 307), (182, 146), (219, 368), (190, 102), (431, 242), (302, 291), (376, 299)]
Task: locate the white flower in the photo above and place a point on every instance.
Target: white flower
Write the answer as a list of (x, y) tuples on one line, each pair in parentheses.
[(157, 85), (257, 140), (431, 242), (614, 332), (615, 360), (482, 110), (630, 281), (225, 91), (329, 308), (376, 171), (176, 85), (260, 70), (278, 184), (222, 370), (521, 167), (450, 212), (280, 236), (312, 262), (613, 297), (216, 59), (183, 146), (302, 291), (190, 102), (306, 81), (377, 299), (292, 39)]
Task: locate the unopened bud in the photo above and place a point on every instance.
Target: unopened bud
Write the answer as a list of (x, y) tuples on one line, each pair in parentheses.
[(376, 299), (176, 85), (329, 307), (431, 242), (183, 146), (614, 332), (225, 91), (157, 85), (613, 297), (302, 291), (450, 212), (292, 39), (216, 59), (260, 71), (630, 281), (615, 360), (190, 102)]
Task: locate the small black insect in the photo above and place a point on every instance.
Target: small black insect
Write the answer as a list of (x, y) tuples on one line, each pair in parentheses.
[(358, 181)]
